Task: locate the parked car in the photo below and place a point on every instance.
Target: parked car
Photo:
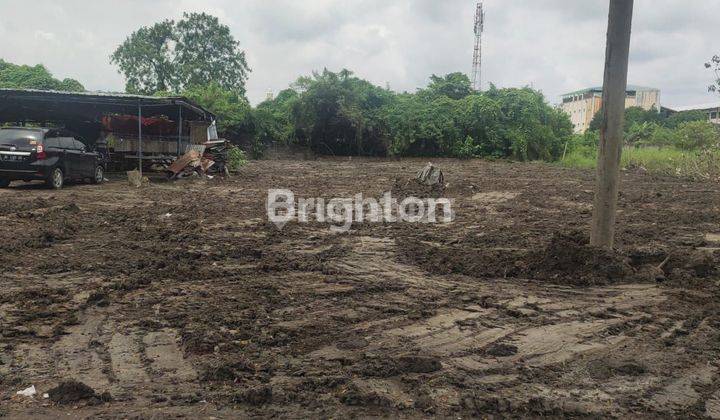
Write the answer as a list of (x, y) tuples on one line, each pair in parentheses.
[(48, 154)]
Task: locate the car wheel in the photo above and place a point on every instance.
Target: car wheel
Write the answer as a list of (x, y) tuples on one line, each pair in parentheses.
[(99, 175), (4, 183), (56, 179)]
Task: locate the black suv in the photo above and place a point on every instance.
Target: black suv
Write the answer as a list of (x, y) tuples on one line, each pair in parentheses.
[(48, 154)]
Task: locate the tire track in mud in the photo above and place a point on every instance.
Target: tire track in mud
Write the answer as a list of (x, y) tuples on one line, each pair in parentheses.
[(109, 354), (302, 323), (538, 326), (471, 327)]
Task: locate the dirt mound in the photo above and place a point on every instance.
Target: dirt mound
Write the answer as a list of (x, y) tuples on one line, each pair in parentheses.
[(462, 258), (69, 392), (501, 350), (412, 188), (567, 259), (384, 367), (602, 369), (690, 267), (570, 259), (257, 395)]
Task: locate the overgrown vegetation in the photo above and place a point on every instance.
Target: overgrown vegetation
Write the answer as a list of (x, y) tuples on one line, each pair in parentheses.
[(340, 114), (236, 158), (682, 144), (34, 77)]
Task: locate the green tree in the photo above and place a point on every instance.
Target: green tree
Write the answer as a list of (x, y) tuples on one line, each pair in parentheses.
[(337, 113), (674, 120), (640, 133), (695, 135), (206, 51), (529, 126), (714, 65), (273, 117), (233, 111), (454, 85), (480, 120), (146, 58), (71, 85), (174, 56), (34, 77), (633, 115)]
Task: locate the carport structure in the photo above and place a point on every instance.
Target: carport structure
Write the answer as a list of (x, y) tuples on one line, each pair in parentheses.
[(87, 109)]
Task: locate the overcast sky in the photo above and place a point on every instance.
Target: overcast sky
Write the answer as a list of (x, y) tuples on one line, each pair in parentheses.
[(554, 45)]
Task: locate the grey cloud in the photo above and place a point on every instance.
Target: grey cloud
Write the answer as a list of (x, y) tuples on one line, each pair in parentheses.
[(553, 45)]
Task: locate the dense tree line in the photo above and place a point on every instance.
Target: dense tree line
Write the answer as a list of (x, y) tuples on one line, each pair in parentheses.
[(340, 114), (337, 113), (34, 77)]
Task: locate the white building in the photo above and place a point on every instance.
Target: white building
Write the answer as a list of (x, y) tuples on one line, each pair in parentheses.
[(582, 105)]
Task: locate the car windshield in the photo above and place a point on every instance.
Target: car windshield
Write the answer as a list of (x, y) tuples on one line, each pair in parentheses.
[(20, 138)]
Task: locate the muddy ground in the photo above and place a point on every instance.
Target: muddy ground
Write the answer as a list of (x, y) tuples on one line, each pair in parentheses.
[(182, 300)]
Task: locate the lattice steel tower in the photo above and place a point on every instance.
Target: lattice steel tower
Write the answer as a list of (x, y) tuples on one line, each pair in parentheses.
[(477, 55)]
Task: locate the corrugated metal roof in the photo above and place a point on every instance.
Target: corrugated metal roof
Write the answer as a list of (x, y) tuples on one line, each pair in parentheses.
[(118, 102), (93, 93)]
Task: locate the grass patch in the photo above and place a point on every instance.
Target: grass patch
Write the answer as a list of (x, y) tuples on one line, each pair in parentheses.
[(703, 164)]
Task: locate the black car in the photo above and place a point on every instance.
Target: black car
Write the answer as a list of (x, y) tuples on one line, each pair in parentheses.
[(48, 154)]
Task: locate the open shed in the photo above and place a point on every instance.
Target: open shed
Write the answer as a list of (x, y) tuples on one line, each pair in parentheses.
[(139, 127)]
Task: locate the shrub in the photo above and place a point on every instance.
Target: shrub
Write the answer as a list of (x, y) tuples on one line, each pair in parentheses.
[(236, 158)]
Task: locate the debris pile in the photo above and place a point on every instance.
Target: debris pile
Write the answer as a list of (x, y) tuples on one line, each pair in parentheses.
[(202, 161), (218, 152), (186, 165)]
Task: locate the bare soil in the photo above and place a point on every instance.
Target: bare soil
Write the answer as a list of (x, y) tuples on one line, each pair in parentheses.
[(182, 300)]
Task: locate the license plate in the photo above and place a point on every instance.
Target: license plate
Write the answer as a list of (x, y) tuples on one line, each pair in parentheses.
[(11, 158)]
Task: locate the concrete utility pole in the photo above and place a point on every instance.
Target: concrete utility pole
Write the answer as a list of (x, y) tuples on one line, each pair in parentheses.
[(617, 50)]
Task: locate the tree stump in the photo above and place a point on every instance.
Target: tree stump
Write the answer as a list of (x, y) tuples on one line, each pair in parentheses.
[(430, 175)]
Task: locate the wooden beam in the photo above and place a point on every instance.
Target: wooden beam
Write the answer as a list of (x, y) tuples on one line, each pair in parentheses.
[(611, 131)]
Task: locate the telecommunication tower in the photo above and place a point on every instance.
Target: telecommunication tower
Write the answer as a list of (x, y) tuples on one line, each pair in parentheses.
[(477, 55)]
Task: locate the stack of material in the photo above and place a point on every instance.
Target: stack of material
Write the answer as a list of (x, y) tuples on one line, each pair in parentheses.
[(201, 160), (186, 165), (217, 151)]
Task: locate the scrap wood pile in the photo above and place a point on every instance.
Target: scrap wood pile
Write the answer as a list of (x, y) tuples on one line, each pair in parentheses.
[(204, 160)]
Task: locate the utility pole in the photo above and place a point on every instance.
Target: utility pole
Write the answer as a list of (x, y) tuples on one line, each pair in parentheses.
[(617, 50), (477, 54)]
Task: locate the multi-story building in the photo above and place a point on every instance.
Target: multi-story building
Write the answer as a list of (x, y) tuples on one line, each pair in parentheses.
[(582, 105)]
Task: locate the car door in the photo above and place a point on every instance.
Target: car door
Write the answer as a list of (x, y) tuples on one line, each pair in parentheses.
[(70, 157), (53, 149), (86, 160)]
